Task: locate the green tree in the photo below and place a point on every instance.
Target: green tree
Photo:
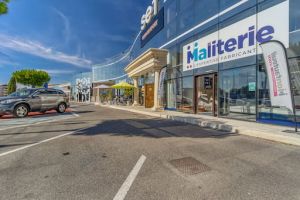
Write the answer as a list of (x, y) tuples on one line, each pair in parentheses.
[(11, 85), (34, 78), (3, 6)]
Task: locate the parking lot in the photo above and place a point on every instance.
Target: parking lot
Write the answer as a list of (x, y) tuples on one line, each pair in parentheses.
[(9, 122), (109, 154)]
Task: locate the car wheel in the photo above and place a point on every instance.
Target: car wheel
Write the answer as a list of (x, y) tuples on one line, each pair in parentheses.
[(61, 108), (21, 111)]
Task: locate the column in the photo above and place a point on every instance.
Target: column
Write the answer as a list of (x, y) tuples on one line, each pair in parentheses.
[(156, 84), (136, 91)]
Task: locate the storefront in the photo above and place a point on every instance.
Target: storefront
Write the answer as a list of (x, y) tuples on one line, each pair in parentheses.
[(81, 87), (213, 61), (145, 71)]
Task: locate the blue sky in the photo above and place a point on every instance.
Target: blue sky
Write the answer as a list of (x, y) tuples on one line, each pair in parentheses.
[(65, 37)]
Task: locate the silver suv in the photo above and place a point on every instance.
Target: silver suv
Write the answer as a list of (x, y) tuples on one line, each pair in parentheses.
[(22, 102)]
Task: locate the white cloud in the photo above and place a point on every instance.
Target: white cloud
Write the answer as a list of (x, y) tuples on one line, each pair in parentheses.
[(66, 23), (57, 71), (37, 49)]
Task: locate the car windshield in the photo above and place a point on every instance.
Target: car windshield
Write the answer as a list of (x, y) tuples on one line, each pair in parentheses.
[(21, 93)]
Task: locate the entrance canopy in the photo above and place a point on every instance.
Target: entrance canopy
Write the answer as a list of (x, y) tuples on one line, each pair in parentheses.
[(150, 61)]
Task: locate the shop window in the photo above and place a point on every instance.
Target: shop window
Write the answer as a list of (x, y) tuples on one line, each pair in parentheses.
[(294, 28), (173, 88), (294, 65), (294, 15), (171, 94), (237, 93), (275, 114), (187, 94)]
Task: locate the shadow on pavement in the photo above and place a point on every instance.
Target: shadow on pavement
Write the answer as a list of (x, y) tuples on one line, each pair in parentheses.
[(154, 128), (12, 145)]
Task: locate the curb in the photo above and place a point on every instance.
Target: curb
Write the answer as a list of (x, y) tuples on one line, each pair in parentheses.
[(215, 125), (189, 120)]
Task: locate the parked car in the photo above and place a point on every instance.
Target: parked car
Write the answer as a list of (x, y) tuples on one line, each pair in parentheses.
[(22, 102)]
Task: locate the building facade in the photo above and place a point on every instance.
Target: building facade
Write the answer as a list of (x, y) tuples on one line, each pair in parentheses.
[(204, 57), (207, 54), (3, 90), (81, 87)]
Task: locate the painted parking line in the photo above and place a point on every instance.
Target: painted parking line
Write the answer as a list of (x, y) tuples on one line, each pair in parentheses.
[(18, 123), (41, 142), (130, 179)]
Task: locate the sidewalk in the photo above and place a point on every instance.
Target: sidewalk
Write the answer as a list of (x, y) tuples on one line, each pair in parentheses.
[(269, 132)]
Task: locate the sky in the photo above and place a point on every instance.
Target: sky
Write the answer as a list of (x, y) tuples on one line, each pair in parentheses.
[(65, 37)]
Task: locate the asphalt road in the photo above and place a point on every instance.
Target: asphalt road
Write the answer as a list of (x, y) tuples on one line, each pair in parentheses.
[(98, 154)]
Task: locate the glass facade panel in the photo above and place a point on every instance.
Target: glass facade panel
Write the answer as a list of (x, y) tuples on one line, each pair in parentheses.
[(187, 94), (275, 114), (227, 3), (294, 28), (295, 15), (186, 18), (237, 94), (171, 12), (171, 97), (211, 9)]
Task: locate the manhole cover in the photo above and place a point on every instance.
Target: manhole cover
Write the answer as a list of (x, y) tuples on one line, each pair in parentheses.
[(189, 166)]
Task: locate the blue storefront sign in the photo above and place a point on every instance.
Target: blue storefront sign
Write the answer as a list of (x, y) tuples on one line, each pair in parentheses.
[(154, 27)]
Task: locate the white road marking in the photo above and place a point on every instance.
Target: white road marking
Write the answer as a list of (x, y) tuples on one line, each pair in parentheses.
[(129, 180), (40, 122), (43, 141)]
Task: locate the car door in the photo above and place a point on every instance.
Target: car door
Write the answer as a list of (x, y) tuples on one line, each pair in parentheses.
[(37, 101), (52, 97)]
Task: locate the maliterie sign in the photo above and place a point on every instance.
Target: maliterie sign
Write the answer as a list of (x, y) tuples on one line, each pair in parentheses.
[(239, 40)]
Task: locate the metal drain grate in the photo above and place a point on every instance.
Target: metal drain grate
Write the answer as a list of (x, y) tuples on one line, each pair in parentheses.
[(189, 166)]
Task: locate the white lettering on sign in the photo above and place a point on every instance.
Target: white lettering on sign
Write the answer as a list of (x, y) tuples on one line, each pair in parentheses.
[(150, 13), (240, 39)]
